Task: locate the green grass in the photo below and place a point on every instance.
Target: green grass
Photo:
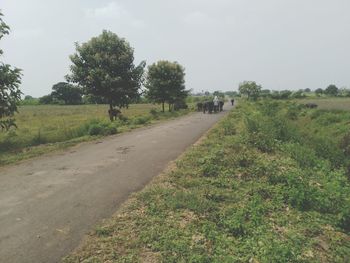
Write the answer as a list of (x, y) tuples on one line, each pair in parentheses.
[(329, 103), (46, 128), (270, 183)]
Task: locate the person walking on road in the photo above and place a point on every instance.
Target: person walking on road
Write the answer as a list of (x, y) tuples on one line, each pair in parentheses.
[(216, 104)]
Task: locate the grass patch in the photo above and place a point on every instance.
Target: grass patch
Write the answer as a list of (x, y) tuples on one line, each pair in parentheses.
[(45, 128), (275, 189)]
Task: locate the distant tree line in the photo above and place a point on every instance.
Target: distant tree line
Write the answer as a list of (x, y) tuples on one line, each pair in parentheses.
[(253, 91)]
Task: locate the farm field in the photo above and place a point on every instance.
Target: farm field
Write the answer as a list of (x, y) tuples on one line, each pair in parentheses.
[(270, 183), (45, 128), (329, 103)]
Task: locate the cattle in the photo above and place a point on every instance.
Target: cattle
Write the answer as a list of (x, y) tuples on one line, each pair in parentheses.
[(199, 106), (179, 105), (232, 102), (221, 105), (114, 114), (208, 106), (311, 105)]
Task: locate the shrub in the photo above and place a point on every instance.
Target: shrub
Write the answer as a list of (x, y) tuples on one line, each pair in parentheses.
[(95, 129), (141, 120)]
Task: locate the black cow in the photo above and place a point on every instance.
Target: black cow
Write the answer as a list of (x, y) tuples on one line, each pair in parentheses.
[(179, 105), (311, 105), (232, 102), (208, 106), (114, 114), (221, 105), (200, 106)]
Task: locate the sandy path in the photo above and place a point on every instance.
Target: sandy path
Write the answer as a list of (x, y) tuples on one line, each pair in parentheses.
[(48, 204)]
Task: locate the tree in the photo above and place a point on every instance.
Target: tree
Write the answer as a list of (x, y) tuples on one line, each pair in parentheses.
[(104, 67), (29, 100), (285, 94), (47, 99), (165, 83), (332, 90), (250, 89), (265, 93), (298, 94), (319, 91), (67, 93), (307, 90), (10, 79)]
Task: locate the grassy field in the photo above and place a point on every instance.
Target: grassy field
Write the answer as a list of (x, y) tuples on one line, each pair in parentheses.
[(330, 103), (42, 129), (270, 183)]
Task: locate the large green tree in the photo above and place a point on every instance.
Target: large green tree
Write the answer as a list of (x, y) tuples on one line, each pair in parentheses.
[(332, 90), (104, 67), (165, 83), (250, 89), (10, 79), (68, 93)]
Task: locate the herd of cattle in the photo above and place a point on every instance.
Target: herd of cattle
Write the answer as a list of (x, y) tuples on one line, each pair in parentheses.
[(209, 106), (206, 106)]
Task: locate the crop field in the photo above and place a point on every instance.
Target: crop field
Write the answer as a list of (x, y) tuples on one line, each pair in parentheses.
[(270, 183), (49, 127), (330, 103)]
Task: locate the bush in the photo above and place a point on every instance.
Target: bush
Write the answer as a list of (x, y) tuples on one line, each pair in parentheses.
[(95, 129), (141, 120)]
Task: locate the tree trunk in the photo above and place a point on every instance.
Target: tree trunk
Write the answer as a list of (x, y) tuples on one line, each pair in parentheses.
[(163, 105)]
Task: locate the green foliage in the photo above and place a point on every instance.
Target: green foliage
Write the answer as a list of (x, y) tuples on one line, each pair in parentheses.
[(46, 99), (319, 91), (298, 94), (104, 67), (56, 126), (29, 100), (67, 93), (231, 200), (165, 83), (96, 127), (10, 94), (332, 90), (250, 89)]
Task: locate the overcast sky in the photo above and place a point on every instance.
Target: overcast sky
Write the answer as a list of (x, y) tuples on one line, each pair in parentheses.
[(280, 44)]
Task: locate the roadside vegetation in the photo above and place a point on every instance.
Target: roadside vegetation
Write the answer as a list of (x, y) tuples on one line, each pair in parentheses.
[(270, 183), (45, 128)]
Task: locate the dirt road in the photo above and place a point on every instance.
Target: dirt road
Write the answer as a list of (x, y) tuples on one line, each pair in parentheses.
[(48, 204)]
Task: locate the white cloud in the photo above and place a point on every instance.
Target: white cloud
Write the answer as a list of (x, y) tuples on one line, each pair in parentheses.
[(114, 11), (111, 10)]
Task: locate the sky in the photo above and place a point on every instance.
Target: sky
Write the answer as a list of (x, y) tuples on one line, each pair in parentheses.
[(280, 44)]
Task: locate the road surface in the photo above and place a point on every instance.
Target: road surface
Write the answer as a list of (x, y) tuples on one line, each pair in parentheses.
[(48, 204)]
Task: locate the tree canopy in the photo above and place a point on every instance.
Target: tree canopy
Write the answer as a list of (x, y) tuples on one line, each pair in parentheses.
[(104, 67), (319, 91), (67, 93), (332, 90), (250, 89), (165, 83), (10, 79)]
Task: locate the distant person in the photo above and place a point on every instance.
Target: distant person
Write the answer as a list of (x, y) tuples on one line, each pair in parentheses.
[(216, 103), (232, 101)]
